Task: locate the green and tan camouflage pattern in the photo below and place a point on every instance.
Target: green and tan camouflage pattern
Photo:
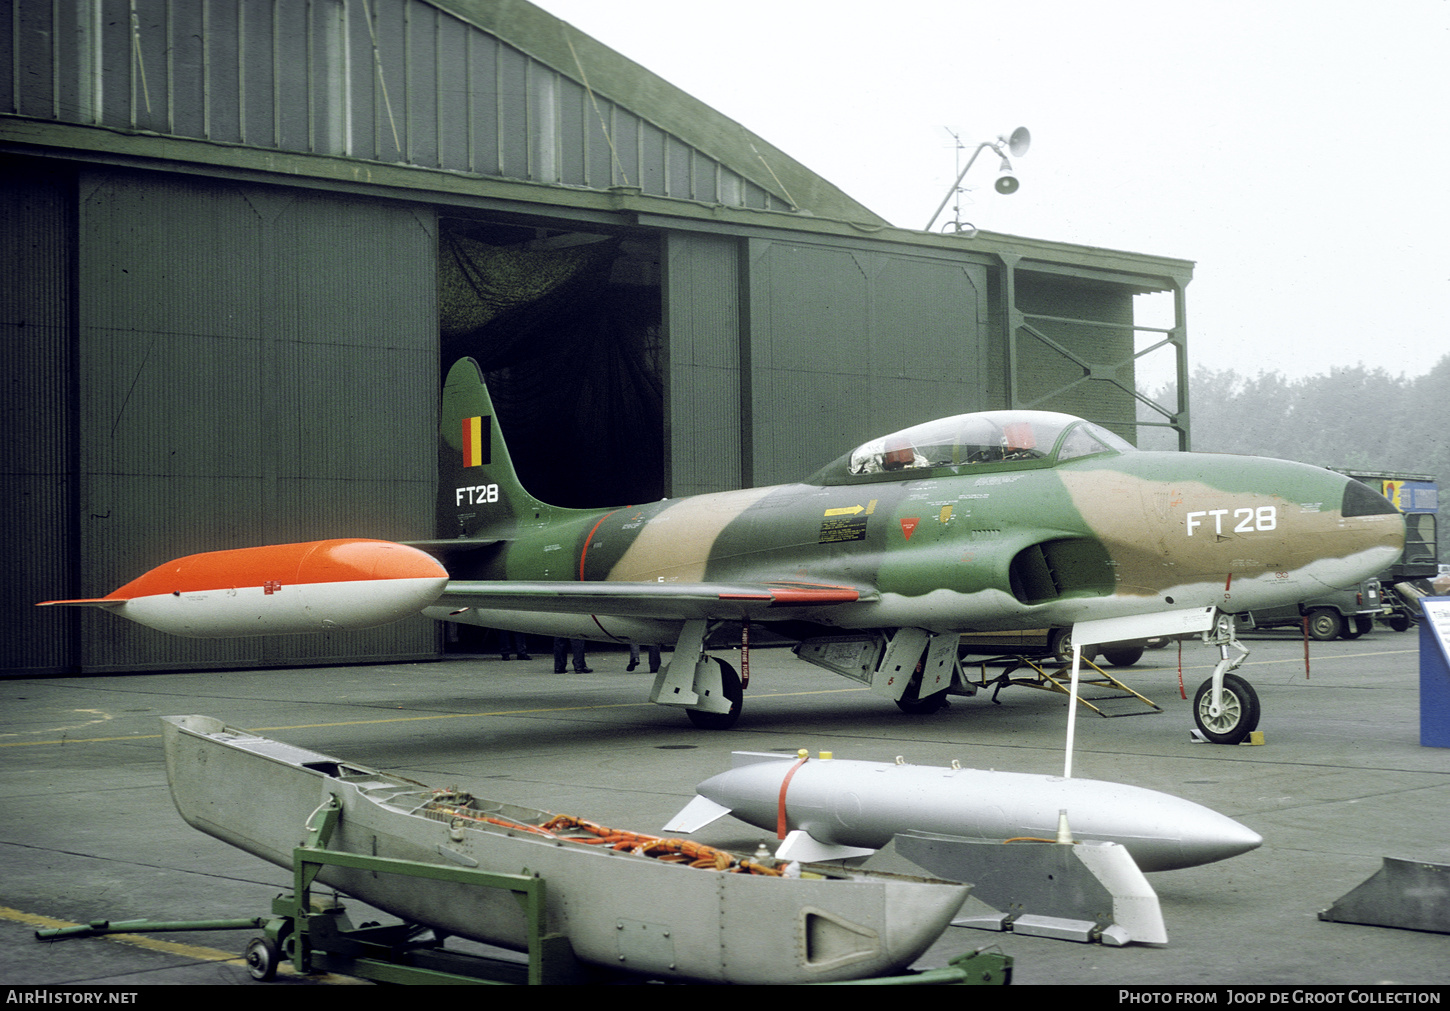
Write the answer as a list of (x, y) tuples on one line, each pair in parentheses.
[(1011, 544)]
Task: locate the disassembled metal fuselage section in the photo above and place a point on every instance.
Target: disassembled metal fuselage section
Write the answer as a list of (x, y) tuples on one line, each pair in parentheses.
[(714, 919)]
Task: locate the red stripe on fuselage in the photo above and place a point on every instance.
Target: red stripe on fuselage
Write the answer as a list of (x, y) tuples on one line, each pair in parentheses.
[(585, 549)]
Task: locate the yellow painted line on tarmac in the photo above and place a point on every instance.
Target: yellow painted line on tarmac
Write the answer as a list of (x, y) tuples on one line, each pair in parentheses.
[(80, 740), (1342, 656), (195, 951), (340, 723), (1297, 660), (199, 952)]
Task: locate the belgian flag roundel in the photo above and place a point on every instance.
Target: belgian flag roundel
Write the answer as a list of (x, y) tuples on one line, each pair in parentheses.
[(475, 441)]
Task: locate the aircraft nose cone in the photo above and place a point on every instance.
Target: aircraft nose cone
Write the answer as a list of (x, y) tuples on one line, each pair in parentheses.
[(1372, 521)]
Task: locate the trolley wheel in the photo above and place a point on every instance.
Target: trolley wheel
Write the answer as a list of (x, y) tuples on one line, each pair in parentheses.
[(263, 957)]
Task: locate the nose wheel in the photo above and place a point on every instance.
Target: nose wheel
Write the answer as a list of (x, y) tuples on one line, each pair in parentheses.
[(1236, 716), (1226, 707)]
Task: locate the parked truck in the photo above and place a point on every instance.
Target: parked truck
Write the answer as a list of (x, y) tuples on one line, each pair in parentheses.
[(1347, 613), (1418, 497)]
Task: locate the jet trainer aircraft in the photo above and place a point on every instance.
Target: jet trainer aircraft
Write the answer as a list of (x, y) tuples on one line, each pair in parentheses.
[(873, 565)]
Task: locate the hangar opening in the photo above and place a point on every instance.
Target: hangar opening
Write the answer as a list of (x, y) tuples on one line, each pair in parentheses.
[(567, 329)]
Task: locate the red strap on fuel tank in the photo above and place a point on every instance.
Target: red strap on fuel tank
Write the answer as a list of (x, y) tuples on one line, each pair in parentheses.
[(780, 823)]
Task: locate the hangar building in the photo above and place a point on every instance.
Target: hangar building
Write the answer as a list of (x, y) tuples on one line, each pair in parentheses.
[(243, 242)]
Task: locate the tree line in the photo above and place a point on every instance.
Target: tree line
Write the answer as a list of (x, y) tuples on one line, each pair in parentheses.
[(1354, 417)]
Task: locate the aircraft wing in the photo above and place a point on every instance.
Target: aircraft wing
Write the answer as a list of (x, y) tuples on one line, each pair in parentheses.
[(455, 545), (682, 601)]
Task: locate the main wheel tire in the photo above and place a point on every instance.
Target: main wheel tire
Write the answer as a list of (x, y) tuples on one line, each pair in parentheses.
[(1240, 715), (262, 957), (1325, 624), (731, 687), (1399, 622), (923, 707), (911, 705), (1123, 656)]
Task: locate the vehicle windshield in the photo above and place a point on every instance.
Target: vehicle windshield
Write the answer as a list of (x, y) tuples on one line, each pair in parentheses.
[(993, 437)]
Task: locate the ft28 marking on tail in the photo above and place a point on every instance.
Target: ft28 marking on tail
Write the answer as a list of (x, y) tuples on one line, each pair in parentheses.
[(478, 494)]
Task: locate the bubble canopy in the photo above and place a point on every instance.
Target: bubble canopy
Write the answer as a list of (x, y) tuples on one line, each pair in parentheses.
[(968, 443)]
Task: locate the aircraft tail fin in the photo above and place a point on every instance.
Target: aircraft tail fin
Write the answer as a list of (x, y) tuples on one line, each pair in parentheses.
[(479, 493)]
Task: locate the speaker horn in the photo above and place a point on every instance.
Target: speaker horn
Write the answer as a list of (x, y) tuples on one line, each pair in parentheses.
[(1019, 142)]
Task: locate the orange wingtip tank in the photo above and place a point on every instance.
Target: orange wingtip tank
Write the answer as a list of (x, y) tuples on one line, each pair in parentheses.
[(314, 586)]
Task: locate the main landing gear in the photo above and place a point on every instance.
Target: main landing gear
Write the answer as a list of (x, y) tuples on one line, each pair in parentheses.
[(732, 689), (1225, 707), (707, 688)]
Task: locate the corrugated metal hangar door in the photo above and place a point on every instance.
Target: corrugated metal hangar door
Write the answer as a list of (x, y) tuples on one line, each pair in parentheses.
[(785, 353), (251, 365)]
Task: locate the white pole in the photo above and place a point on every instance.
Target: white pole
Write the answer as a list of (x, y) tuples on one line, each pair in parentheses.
[(1072, 707)]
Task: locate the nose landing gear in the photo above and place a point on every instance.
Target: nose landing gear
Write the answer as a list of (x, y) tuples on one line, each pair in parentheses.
[(1226, 707)]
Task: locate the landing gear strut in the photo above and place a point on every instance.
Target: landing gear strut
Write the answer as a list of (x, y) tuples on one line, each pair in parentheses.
[(1226, 707)]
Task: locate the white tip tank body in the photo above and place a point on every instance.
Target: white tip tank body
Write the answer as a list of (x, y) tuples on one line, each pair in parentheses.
[(852, 803)]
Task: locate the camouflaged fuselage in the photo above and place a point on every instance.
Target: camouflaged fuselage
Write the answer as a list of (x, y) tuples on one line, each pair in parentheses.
[(971, 545), (1089, 538)]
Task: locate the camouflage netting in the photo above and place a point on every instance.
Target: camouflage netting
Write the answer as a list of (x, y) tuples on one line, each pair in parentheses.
[(572, 362)]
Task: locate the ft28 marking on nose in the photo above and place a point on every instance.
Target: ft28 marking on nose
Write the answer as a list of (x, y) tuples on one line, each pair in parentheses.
[(1245, 520)]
